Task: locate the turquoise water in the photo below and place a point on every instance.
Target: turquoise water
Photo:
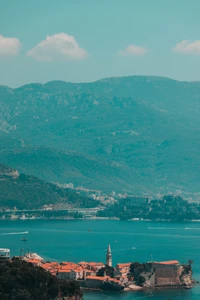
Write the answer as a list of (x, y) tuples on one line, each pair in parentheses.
[(130, 241)]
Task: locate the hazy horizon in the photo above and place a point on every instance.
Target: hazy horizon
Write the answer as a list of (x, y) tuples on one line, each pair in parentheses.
[(99, 79)]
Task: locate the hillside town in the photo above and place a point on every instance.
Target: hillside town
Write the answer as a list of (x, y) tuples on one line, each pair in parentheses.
[(132, 208), (112, 196)]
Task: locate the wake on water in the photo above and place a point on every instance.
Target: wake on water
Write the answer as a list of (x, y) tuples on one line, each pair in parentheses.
[(11, 233), (167, 228)]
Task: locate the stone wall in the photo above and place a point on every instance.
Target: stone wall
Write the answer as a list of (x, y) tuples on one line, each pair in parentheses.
[(167, 274)]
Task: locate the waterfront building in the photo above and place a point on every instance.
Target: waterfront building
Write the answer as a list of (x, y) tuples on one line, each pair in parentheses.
[(63, 274), (133, 200), (122, 270), (4, 254), (35, 262), (70, 274), (167, 273), (93, 266), (98, 281), (158, 274), (109, 257), (94, 281)]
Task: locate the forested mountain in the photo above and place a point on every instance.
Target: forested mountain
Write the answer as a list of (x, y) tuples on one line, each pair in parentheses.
[(29, 192), (135, 133)]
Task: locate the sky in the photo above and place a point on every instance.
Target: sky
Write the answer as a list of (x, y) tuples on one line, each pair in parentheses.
[(86, 40)]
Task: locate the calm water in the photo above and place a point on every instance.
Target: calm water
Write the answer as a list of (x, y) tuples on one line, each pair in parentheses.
[(130, 241)]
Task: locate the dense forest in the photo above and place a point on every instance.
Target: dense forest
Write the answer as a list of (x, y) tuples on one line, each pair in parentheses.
[(171, 208), (22, 281)]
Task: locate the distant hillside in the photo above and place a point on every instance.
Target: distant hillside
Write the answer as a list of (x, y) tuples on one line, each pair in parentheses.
[(136, 133), (28, 192)]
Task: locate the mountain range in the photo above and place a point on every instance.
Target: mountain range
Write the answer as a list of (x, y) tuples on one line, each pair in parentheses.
[(138, 134)]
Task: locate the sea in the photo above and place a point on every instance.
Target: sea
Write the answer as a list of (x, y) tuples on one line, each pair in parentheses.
[(87, 240)]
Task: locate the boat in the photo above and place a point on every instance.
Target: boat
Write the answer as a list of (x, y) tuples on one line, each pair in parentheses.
[(23, 239), (89, 230)]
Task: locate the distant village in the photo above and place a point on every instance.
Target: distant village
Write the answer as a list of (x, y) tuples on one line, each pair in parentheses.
[(171, 207), (111, 197), (123, 277)]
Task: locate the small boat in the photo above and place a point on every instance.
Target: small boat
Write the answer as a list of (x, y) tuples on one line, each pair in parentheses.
[(188, 286), (23, 239), (89, 230)]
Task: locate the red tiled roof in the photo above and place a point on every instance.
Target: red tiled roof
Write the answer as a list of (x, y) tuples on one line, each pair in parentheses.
[(64, 271), (65, 267), (102, 278), (89, 271), (123, 265), (68, 263), (46, 266), (170, 262), (33, 261), (95, 263), (97, 278)]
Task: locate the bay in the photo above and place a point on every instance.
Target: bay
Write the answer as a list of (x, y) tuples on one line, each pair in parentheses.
[(76, 240)]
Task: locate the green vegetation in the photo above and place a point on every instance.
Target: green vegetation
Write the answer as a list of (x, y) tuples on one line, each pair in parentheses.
[(169, 208), (108, 286), (29, 192), (107, 270), (22, 281), (134, 133), (136, 269)]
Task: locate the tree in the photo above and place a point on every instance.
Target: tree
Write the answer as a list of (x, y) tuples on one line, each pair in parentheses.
[(20, 280), (107, 270)]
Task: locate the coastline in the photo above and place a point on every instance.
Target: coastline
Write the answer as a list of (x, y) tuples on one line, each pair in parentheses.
[(125, 277), (121, 253), (101, 219), (138, 288)]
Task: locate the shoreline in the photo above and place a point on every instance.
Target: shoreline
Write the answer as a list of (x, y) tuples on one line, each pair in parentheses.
[(140, 289), (100, 219)]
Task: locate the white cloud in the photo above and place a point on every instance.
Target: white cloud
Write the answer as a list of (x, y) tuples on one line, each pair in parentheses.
[(186, 47), (9, 46), (133, 50), (56, 47)]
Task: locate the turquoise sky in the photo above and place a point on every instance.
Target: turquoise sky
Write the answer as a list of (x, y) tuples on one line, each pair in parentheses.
[(102, 31)]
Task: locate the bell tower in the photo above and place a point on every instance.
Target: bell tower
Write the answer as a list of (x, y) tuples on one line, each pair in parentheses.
[(109, 257)]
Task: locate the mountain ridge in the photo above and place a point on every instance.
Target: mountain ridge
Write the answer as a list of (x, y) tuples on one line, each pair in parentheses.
[(136, 133), (102, 80)]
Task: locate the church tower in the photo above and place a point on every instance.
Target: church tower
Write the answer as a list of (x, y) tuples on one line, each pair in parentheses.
[(109, 257)]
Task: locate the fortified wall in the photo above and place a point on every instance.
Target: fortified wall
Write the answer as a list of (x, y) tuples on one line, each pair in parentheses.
[(160, 274), (167, 273)]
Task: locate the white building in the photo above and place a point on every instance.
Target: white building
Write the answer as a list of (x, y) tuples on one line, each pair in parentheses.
[(4, 253)]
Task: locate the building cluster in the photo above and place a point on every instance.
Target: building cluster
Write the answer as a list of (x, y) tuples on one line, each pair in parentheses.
[(127, 276), (112, 197), (103, 197), (85, 272), (124, 276)]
